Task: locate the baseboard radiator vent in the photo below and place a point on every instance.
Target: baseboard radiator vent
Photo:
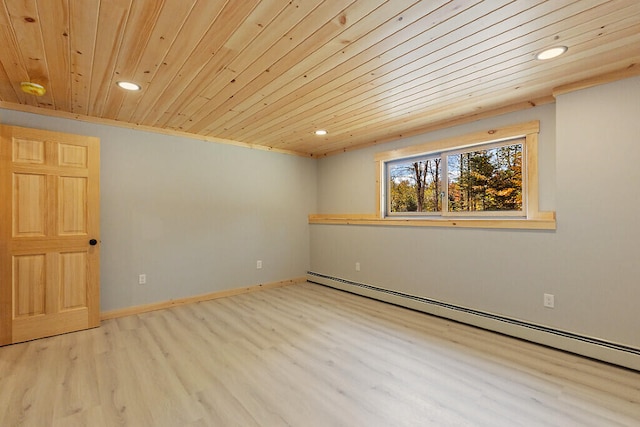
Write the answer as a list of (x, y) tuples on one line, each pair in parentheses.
[(595, 348)]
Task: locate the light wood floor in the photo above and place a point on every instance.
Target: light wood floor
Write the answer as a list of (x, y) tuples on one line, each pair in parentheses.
[(304, 355)]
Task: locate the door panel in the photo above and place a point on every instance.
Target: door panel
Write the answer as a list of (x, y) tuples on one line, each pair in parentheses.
[(29, 205), (28, 151), (73, 283), (49, 273), (72, 193), (72, 156), (29, 273)]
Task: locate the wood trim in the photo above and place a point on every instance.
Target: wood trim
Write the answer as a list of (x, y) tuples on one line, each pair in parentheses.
[(531, 165), (139, 309), (6, 308), (632, 70), (506, 132), (93, 297), (314, 218), (543, 221), (379, 190)]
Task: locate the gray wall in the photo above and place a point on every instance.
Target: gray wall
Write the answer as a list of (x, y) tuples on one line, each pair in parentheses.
[(193, 216), (589, 146), (598, 244)]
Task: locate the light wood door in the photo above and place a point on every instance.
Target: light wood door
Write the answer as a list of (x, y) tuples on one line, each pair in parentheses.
[(49, 231)]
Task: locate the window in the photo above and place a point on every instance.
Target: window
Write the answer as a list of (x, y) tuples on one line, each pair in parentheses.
[(486, 179), (487, 174), (414, 185), (477, 180)]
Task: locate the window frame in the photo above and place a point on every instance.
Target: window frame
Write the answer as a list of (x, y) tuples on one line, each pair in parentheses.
[(528, 131)]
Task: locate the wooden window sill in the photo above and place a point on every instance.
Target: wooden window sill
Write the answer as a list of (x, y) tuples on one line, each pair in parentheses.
[(543, 221)]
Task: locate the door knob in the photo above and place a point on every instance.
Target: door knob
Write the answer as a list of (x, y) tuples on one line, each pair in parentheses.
[(93, 242)]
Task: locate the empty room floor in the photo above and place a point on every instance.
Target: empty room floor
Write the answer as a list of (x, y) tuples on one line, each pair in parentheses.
[(304, 355)]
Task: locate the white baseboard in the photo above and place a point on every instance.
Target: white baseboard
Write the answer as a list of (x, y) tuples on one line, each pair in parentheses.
[(595, 348)]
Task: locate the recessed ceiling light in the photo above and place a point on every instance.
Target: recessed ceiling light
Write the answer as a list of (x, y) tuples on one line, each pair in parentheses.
[(551, 53), (321, 132), (128, 85)]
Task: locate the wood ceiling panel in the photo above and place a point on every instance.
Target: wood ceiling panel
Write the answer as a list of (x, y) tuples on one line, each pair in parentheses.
[(512, 76), (256, 35), (227, 19), (18, 23), (54, 22), (13, 72), (302, 78), (359, 80), (142, 19), (481, 101), (343, 83), (269, 72), (302, 40), (439, 86), (359, 73), (83, 24), (165, 30), (6, 88), (110, 32), (195, 35)]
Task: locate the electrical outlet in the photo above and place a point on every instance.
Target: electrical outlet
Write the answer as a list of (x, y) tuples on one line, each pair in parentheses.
[(259, 264), (549, 300), (357, 266), (142, 279)]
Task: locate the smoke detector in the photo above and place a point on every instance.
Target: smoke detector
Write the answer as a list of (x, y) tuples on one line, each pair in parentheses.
[(33, 88)]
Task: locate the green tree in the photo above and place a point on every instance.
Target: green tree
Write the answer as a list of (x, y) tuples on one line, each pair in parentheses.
[(403, 196), (505, 188), (422, 180), (486, 180)]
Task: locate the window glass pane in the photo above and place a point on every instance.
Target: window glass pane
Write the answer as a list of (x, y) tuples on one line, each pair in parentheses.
[(485, 180), (415, 186)]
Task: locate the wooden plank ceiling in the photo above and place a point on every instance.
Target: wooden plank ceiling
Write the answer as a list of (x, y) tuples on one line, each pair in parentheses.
[(268, 73)]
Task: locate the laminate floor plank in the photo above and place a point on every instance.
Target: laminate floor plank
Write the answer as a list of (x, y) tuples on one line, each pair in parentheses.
[(304, 355)]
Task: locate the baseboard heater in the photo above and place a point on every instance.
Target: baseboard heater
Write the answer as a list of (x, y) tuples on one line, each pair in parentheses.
[(595, 348)]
